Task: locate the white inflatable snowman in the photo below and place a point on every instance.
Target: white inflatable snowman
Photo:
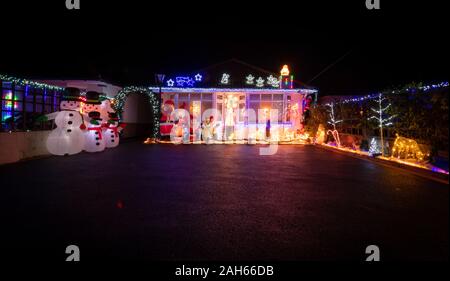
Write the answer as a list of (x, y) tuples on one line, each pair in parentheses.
[(94, 140), (91, 103), (105, 108), (67, 138), (111, 130)]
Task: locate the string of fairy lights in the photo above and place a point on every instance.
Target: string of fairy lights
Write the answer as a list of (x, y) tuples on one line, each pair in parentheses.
[(26, 82), (422, 88)]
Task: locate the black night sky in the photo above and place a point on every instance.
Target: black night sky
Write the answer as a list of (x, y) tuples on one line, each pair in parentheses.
[(126, 42)]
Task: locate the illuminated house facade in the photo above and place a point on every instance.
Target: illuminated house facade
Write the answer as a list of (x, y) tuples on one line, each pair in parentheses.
[(238, 99)]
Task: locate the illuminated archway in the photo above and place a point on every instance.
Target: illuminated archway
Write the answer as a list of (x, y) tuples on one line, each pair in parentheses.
[(120, 98)]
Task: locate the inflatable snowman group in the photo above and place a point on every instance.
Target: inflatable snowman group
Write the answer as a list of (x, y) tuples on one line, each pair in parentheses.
[(88, 125)]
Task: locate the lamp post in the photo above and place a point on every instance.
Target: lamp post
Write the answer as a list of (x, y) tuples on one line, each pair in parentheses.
[(159, 81)]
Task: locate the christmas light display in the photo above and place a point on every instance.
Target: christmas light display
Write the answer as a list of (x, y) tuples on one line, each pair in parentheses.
[(250, 79), (333, 123), (374, 149), (286, 81), (225, 79), (170, 83), (382, 118), (153, 99), (427, 88), (25, 82), (209, 90), (260, 82), (184, 81), (320, 135), (9, 102), (285, 70), (405, 148), (198, 77), (424, 88), (273, 81)]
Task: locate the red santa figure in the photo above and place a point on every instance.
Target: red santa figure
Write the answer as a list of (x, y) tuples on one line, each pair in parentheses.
[(166, 110)]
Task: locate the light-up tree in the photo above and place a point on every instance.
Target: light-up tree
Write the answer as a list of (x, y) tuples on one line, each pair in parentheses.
[(333, 123), (373, 149), (383, 119)]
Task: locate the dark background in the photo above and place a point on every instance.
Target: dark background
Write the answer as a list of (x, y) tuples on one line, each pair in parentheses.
[(126, 42)]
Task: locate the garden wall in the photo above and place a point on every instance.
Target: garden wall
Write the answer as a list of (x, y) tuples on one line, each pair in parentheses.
[(21, 145)]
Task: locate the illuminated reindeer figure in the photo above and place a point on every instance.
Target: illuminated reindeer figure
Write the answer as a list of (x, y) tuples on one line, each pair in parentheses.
[(405, 148)]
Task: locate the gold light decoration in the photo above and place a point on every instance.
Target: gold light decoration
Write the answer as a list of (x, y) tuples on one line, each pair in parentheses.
[(285, 70), (320, 135), (405, 148)]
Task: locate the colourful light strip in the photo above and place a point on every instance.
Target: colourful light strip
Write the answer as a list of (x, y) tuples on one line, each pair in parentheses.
[(417, 165), (209, 90)]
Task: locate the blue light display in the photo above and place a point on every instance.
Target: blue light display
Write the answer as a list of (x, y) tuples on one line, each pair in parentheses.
[(184, 81)]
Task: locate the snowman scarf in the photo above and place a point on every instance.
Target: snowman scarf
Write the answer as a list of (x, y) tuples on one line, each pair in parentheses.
[(98, 129)]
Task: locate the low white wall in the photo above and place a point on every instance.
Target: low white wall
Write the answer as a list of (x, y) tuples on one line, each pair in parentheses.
[(16, 146)]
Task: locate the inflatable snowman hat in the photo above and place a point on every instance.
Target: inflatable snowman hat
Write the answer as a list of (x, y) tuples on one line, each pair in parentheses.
[(71, 99), (92, 102), (95, 115), (71, 94), (92, 97), (113, 116)]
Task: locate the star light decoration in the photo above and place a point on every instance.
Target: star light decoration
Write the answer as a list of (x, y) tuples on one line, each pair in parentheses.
[(198, 77), (273, 81), (250, 80), (170, 83), (260, 82), (183, 81)]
